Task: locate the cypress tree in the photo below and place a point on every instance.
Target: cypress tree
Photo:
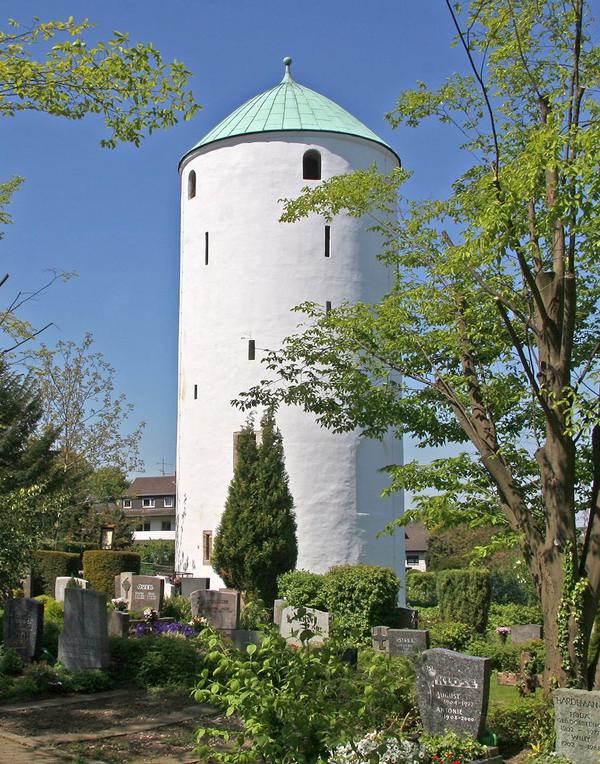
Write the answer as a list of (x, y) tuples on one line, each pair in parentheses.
[(256, 539)]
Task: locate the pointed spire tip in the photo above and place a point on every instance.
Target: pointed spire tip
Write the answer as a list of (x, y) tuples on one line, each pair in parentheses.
[(287, 62)]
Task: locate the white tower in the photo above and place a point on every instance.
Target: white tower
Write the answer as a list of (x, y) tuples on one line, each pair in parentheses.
[(241, 273)]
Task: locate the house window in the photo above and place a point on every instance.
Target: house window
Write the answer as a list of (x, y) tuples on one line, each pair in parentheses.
[(412, 559), (143, 527), (148, 503), (195, 392), (168, 501), (165, 525), (206, 248), (251, 350), (327, 306), (327, 241), (126, 503), (206, 546), (191, 185), (311, 165)]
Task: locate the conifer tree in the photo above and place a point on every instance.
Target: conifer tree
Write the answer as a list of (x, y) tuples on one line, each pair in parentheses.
[(256, 539)]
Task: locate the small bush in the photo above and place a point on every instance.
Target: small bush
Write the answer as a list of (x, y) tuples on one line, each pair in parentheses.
[(10, 661), (529, 721), (506, 657), (421, 589), (452, 635), (47, 566), (53, 623), (100, 566), (301, 589), (90, 680), (126, 655), (158, 552), (464, 595), (169, 663), (429, 616), (254, 615), (179, 608), (509, 615)]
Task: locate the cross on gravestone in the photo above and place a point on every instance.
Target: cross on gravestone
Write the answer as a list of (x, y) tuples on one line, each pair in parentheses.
[(379, 637), (577, 723), (126, 586), (453, 692), (23, 626), (83, 643)]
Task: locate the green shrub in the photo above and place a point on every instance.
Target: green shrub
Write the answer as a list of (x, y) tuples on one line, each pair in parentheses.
[(254, 615), (178, 607), (53, 623), (159, 551), (509, 615), (464, 595), (360, 596), (90, 680), (126, 655), (100, 566), (47, 566), (301, 589), (10, 660), (506, 656), (449, 747), (528, 721), (421, 589), (169, 662), (452, 635), (429, 616)]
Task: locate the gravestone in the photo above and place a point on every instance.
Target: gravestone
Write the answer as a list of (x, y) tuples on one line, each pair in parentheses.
[(222, 609), (26, 585), (118, 623), (123, 585), (453, 692), (278, 606), (525, 633), (379, 638), (292, 625), (407, 618), (146, 591), (577, 725), (24, 626), (61, 583), (189, 585), (83, 642), (406, 642)]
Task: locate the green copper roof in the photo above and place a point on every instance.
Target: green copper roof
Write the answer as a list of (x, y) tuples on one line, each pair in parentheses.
[(288, 106)]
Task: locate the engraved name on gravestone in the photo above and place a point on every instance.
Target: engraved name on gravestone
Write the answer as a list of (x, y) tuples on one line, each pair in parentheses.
[(24, 626), (407, 618), (295, 621), (525, 632), (190, 584), (146, 591), (222, 609), (577, 725), (83, 643), (453, 692), (407, 641), (62, 582), (379, 638)]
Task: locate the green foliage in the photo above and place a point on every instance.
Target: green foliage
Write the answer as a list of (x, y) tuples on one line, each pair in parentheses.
[(10, 660), (421, 589), (46, 566), (509, 615), (256, 538), (464, 595), (449, 747), (360, 596), (100, 567), (530, 721), (506, 656), (295, 704), (156, 661), (453, 548), (53, 623), (453, 635), (429, 616), (254, 615), (300, 588), (178, 607), (158, 551)]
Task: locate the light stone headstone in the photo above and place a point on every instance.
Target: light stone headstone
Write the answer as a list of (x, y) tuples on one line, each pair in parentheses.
[(62, 582), (118, 623), (222, 609), (24, 626), (278, 606), (379, 638), (26, 585), (407, 642), (453, 692), (190, 584), (293, 625), (525, 632), (83, 643), (123, 586), (577, 725), (146, 592)]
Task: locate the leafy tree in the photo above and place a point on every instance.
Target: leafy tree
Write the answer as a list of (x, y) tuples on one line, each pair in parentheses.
[(490, 332), (256, 538)]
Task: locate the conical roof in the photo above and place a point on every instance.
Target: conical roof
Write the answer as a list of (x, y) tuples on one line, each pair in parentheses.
[(288, 106)]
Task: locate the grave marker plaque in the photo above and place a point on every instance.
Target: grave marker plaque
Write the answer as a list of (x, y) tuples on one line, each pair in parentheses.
[(379, 638), (190, 584), (453, 692), (24, 626), (292, 625), (221, 608), (146, 591), (525, 633), (118, 624), (62, 582), (407, 642), (407, 618), (83, 642), (577, 725)]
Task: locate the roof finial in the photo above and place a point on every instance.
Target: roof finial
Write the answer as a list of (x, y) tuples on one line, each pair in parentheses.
[(288, 75)]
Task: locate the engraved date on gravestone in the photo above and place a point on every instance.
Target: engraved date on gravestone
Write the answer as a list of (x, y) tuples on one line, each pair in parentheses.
[(577, 725)]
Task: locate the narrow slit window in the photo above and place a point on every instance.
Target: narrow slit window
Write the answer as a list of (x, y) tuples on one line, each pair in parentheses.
[(327, 241), (311, 165), (206, 248), (195, 392), (328, 306), (206, 546), (191, 184), (251, 350)]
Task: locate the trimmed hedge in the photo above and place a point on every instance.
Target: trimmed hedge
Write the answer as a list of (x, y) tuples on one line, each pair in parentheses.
[(300, 588), (100, 566), (46, 566), (464, 596), (421, 589)]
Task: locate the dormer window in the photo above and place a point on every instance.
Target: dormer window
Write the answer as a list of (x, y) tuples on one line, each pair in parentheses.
[(311, 165), (192, 184), (148, 503), (126, 503)]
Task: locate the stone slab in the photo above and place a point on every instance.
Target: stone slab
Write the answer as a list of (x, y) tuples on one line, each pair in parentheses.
[(407, 618), (221, 608), (190, 584), (83, 643), (293, 623), (146, 592), (379, 638), (24, 626), (278, 606), (525, 632), (577, 725), (118, 623), (61, 583), (407, 642)]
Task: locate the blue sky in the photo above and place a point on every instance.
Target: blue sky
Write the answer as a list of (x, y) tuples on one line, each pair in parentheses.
[(112, 216)]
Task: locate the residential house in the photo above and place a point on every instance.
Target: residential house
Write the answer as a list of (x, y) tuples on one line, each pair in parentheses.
[(151, 501), (416, 545)]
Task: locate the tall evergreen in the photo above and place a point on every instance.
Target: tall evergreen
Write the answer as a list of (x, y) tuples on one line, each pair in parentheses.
[(256, 539)]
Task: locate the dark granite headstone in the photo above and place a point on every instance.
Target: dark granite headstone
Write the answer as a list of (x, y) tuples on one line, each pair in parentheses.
[(221, 608), (118, 623), (379, 637), (189, 585), (146, 591), (406, 642), (83, 642), (453, 692), (525, 633), (577, 725), (407, 618), (24, 626)]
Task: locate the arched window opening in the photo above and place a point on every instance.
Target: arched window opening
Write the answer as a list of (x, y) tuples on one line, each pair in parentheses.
[(192, 184), (311, 165)]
